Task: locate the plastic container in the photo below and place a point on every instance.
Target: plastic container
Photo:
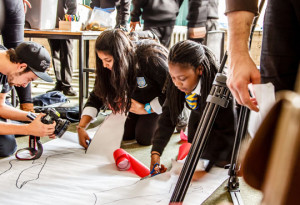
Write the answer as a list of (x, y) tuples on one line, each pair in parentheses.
[(42, 15)]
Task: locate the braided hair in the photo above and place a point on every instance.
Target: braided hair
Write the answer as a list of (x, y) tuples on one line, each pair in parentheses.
[(190, 53)]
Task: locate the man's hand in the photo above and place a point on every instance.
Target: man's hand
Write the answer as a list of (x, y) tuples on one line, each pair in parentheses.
[(133, 25), (37, 128), (242, 72), (83, 137), (137, 108)]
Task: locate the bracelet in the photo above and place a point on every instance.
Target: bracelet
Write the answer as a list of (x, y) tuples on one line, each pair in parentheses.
[(155, 153), (148, 108), (79, 127)]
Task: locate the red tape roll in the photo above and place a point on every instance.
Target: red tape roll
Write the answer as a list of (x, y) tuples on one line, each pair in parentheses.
[(125, 161), (183, 150), (183, 136)]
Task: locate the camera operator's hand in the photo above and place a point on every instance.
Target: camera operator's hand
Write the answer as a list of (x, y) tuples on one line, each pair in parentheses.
[(155, 158), (37, 128), (83, 137)]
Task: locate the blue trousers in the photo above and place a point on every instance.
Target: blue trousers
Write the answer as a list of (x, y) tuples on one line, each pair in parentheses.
[(8, 144)]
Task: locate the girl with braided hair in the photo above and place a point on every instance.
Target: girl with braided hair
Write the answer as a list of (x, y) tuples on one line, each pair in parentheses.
[(192, 69)]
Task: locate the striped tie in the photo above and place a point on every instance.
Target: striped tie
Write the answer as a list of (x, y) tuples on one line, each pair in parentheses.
[(191, 100)]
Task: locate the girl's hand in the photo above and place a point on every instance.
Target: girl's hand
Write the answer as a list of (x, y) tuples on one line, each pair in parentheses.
[(137, 108), (158, 169), (83, 137)]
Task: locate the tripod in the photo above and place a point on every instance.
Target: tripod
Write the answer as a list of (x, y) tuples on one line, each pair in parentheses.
[(219, 96), (233, 181)]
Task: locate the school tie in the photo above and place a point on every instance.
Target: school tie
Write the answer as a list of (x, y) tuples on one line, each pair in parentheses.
[(191, 100)]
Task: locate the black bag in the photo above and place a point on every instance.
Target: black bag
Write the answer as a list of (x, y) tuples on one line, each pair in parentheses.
[(69, 113)]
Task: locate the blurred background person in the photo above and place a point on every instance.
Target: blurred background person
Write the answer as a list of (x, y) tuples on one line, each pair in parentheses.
[(12, 35), (122, 6), (62, 54), (159, 17)]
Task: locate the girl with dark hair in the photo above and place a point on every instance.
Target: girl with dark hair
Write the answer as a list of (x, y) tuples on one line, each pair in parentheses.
[(192, 68), (130, 79)]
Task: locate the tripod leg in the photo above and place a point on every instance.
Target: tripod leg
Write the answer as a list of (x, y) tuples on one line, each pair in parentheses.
[(233, 181), (236, 198)]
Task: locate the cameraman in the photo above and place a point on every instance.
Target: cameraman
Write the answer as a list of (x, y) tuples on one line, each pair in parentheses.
[(18, 68)]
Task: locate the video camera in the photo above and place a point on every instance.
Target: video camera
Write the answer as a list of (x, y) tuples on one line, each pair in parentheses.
[(31, 153)]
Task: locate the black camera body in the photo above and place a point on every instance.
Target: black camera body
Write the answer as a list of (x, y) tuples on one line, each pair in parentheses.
[(35, 148), (51, 116)]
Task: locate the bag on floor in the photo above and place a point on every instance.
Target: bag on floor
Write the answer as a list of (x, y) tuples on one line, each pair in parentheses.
[(49, 98), (69, 113)]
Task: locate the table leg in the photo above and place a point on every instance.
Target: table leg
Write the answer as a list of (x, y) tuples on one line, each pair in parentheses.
[(87, 65), (80, 75)]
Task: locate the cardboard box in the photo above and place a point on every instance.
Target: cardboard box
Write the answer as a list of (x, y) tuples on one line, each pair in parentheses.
[(70, 25)]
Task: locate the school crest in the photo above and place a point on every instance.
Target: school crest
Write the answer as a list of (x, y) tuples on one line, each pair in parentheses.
[(141, 82)]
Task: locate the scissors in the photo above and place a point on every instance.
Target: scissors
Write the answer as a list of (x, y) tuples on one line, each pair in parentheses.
[(152, 171)]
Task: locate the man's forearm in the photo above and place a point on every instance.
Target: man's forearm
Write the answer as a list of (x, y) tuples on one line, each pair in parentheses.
[(13, 129), (12, 113), (239, 23)]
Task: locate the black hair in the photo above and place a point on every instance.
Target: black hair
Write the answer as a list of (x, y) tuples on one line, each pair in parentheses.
[(150, 56), (195, 54), (115, 87)]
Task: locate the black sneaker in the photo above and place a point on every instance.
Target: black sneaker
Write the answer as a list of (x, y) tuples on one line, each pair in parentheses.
[(56, 88), (181, 124), (69, 92)]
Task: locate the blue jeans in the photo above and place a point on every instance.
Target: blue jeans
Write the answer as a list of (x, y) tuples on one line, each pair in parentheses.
[(8, 144)]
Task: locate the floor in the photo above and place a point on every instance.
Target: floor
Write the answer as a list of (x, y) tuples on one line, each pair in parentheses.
[(220, 196)]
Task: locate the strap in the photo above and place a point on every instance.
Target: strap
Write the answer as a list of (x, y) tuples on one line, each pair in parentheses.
[(32, 152)]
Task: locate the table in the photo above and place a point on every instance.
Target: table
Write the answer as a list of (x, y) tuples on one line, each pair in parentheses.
[(83, 37)]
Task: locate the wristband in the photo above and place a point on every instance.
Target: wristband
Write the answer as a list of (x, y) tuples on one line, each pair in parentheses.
[(155, 153), (148, 108), (80, 127)]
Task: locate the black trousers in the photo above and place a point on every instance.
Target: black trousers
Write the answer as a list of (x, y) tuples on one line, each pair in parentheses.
[(280, 53), (140, 127), (163, 33), (8, 143), (62, 57), (13, 35)]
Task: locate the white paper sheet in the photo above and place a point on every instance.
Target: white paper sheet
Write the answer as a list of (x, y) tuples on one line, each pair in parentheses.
[(108, 137), (265, 96), (66, 175)]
